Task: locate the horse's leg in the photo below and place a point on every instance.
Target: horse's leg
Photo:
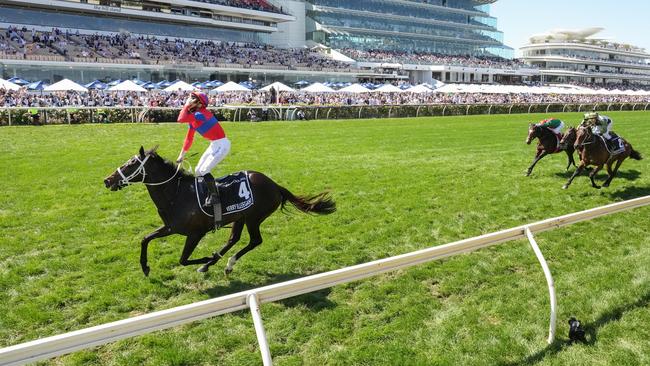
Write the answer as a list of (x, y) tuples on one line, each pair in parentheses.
[(569, 153), (255, 240), (540, 154), (161, 232), (190, 244), (235, 234), (575, 174), (593, 174), (612, 172)]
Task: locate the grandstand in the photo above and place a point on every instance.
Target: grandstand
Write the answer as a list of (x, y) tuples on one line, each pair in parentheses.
[(577, 56), (263, 40)]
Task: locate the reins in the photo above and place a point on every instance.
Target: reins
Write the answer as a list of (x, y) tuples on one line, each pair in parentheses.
[(141, 170)]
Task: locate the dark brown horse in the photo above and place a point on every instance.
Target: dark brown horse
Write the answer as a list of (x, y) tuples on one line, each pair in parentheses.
[(174, 193), (593, 151), (547, 143)]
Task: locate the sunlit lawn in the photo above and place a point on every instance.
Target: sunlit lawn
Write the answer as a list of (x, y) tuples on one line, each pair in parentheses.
[(69, 247)]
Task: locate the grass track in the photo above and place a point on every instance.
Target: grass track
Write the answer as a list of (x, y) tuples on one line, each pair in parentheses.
[(69, 248)]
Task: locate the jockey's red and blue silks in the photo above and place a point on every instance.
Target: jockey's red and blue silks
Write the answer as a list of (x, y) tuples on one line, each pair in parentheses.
[(203, 122)]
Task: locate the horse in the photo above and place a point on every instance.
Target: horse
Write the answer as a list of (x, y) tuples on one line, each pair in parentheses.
[(592, 150), (547, 143), (175, 194)]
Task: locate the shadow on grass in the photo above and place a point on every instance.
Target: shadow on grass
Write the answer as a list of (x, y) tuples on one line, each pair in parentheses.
[(628, 193), (630, 175), (591, 331), (315, 301)]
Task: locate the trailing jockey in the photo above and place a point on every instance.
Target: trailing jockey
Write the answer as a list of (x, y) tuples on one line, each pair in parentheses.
[(602, 126), (555, 125), (201, 120)]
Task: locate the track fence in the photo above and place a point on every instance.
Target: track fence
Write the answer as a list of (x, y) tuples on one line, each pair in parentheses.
[(94, 336), (75, 115)]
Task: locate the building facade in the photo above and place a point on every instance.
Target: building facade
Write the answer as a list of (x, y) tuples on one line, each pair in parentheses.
[(450, 27), (565, 56)]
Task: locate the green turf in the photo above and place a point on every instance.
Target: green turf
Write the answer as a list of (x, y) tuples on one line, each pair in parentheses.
[(69, 247)]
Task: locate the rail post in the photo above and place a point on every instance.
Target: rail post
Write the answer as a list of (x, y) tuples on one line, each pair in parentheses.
[(549, 281), (252, 300)]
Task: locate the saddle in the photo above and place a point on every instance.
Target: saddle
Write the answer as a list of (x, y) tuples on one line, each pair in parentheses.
[(234, 193), (615, 145)]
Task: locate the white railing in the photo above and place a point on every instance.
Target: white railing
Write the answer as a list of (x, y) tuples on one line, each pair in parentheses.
[(85, 338)]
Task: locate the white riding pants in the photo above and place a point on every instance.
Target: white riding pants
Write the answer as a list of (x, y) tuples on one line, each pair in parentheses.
[(212, 156), (558, 129)]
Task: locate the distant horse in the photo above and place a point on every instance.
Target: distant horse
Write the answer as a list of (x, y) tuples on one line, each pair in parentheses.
[(592, 150), (175, 194), (547, 143)]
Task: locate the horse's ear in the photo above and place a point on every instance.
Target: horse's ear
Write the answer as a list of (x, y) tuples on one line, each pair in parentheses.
[(154, 149), (141, 151)]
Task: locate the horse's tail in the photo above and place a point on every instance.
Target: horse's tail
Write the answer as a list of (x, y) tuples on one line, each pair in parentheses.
[(321, 203), (635, 154)]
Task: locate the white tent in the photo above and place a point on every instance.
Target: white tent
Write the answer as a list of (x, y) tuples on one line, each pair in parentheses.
[(317, 88), (435, 84), (418, 89), (278, 87), (388, 88), (127, 85), (354, 88), (179, 85), (65, 84), (230, 86), (4, 84)]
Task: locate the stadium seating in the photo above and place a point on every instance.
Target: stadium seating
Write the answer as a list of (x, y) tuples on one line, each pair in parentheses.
[(131, 49)]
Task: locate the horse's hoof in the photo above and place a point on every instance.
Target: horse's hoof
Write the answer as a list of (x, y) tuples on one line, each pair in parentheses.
[(227, 271), (145, 270), (597, 187), (204, 268), (565, 186)]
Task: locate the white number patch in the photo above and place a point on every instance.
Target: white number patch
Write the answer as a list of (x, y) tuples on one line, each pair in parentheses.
[(243, 191)]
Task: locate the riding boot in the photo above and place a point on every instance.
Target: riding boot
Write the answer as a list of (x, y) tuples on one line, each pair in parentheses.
[(213, 199)]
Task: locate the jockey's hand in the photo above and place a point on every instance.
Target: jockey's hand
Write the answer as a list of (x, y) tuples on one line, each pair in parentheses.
[(181, 157)]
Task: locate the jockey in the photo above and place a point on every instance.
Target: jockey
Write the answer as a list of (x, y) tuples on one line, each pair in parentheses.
[(200, 119), (601, 126), (553, 124)]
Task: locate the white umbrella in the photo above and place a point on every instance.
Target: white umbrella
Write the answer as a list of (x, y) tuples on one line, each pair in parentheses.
[(179, 85), (278, 87), (127, 85), (317, 88), (388, 88), (4, 84), (65, 84), (419, 89), (230, 87), (354, 88)]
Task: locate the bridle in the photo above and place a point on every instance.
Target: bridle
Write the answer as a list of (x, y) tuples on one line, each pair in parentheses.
[(126, 180), (585, 141)]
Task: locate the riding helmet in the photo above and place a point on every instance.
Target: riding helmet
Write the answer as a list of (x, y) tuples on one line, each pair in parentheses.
[(202, 97)]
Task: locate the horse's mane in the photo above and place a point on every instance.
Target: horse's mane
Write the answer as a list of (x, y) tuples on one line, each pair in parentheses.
[(171, 166)]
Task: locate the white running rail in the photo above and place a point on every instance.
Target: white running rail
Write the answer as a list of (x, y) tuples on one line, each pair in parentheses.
[(101, 334)]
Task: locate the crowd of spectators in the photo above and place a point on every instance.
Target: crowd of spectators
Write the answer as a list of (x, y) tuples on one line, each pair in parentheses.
[(432, 59), (153, 50), (93, 98)]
